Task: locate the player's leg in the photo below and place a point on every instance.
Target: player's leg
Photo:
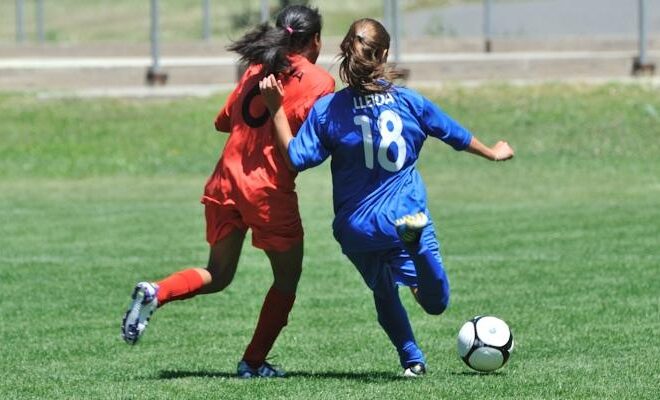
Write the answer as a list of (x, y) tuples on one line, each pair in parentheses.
[(419, 238), (223, 261), (277, 229), (433, 284), (287, 268), (184, 284), (393, 318), (392, 315), (218, 274), (226, 233)]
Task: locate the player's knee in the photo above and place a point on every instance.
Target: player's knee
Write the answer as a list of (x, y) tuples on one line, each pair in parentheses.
[(219, 280), (434, 305), (215, 286)]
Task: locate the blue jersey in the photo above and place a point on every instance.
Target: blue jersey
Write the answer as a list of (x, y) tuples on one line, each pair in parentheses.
[(374, 141)]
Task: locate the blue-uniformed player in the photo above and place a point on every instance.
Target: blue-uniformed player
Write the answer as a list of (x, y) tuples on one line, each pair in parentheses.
[(374, 131)]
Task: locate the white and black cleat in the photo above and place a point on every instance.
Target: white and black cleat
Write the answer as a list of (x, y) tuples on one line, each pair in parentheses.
[(415, 370), (143, 304)]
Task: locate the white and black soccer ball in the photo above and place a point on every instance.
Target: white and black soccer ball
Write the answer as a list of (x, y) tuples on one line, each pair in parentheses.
[(485, 343)]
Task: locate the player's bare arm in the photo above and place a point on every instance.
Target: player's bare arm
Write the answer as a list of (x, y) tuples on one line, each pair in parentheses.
[(502, 151), (273, 92)]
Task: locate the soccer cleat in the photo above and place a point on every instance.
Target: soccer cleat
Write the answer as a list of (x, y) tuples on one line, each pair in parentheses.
[(143, 305), (267, 370), (415, 370), (409, 227), (244, 371)]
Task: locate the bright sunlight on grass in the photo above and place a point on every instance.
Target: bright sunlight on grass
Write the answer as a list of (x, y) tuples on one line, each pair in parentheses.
[(562, 243)]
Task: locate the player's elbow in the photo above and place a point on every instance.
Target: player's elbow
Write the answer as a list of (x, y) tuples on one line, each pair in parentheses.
[(221, 126), (294, 163)]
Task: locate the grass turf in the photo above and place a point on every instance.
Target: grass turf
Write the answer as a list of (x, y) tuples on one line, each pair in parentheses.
[(562, 243)]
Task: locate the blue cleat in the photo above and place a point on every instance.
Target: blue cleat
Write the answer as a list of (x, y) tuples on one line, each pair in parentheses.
[(267, 370)]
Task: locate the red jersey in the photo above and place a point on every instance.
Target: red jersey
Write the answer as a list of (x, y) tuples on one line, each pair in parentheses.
[(251, 174)]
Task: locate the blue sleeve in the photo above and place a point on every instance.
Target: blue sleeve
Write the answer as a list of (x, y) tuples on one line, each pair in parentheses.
[(438, 124), (306, 149)]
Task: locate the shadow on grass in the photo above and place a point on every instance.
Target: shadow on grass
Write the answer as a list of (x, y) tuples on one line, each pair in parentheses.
[(475, 373), (372, 376)]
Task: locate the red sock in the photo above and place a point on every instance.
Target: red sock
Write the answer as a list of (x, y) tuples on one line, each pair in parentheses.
[(274, 316), (178, 286)]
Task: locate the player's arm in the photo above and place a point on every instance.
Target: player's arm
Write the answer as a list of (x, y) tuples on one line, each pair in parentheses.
[(500, 152), (222, 121), (440, 125), (308, 148), (272, 91)]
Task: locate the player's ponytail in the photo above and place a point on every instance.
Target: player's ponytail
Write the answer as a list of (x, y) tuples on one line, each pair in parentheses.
[(269, 45), (363, 57)]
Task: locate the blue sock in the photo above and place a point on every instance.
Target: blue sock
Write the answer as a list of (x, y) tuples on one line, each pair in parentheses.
[(393, 318)]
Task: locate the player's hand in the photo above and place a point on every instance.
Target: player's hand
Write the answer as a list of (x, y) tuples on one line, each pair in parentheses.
[(502, 151), (272, 91)]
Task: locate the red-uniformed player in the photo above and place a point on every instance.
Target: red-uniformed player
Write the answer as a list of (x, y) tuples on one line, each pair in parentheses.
[(251, 186)]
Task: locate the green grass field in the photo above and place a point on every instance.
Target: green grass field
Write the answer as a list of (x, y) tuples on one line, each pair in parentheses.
[(562, 242)]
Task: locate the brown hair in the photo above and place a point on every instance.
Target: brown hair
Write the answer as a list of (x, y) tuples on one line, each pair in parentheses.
[(363, 58)]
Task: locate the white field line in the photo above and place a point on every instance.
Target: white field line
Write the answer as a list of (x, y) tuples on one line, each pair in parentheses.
[(144, 62)]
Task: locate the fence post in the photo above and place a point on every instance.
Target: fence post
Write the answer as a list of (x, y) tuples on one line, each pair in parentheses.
[(488, 45), (265, 11), (39, 17), (396, 29), (20, 19), (641, 66), (154, 73), (206, 19), (387, 15)]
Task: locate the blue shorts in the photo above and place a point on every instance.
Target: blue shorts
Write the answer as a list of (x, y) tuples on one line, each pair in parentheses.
[(383, 269)]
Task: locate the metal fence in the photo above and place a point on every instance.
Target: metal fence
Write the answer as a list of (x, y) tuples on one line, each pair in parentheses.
[(63, 21), (75, 21), (418, 27)]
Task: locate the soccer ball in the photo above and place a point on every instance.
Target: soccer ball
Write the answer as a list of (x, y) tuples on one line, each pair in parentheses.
[(485, 343)]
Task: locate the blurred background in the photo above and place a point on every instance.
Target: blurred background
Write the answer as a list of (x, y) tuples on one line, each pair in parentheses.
[(112, 44)]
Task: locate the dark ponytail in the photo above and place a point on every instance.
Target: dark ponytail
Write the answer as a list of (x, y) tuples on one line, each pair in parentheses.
[(363, 57), (269, 45)]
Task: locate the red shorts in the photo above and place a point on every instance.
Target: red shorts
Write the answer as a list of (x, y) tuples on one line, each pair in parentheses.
[(275, 220)]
